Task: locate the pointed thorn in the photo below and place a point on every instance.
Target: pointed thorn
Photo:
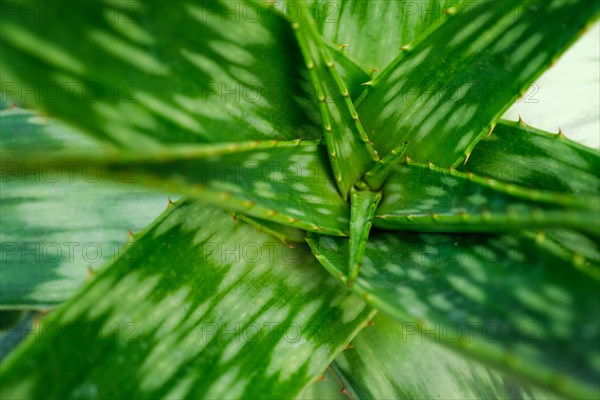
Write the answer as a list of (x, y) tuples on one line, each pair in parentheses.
[(90, 272), (370, 83), (521, 120), (370, 323), (467, 158), (406, 47), (234, 218), (130, 234), (491, 130), (348, 346), (561, 134), (320, 378)]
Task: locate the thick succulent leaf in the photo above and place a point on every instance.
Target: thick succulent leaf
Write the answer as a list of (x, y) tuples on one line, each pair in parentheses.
[(431, 199), (389, 360), (448, 90), (351, 73), (526, 156), (10, 337), (326, 387), (284, 182), (200, 306), (286, 234), (147, 73), (363, 206), (350, 152), (54, 228), (501, 299), (377, 176), (521, 154), (374, 31)]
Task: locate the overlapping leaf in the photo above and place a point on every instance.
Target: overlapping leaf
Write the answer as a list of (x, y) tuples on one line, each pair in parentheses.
[(395, 361), (54, 226), (284, 182), (426, 198), (524, 155), (198, 306), (150, 73), (357, 25), (501, 299), (520, 154), (449, 89), (350, 152)]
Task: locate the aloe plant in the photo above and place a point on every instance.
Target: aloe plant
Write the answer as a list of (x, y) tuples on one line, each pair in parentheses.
[(336, 159)]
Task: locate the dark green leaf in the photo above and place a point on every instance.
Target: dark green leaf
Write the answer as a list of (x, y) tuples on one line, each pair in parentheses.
[(350, 152), (143, 74), (57, 224), (198, 307), (501, 299), (431, 199), (394, 361), (448, 90)]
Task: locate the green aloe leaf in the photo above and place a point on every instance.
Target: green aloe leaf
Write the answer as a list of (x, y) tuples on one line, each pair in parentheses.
[(390, 360), (526, 156), (286, 234), (431, 199), (501, 299), (286, 182), (199, 306), (448, 89), (358, 25), (521, 154), (151, 73), (55, 228), (363, 206), (351, 73), (350, 152)]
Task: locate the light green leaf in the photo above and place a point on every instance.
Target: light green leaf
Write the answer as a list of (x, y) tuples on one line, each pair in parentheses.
[(350, 152), (199, 307), (54, 226), (374, 31), (521, 154), (363, 206), (286, 182), (501, 299), (286, 234), (377, 176), (526, 156), (419, 197), (392, 360), (450, 87), (149, 73)]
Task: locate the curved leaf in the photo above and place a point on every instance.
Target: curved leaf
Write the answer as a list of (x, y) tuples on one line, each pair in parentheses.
[(431, 199), (448, 89), (143, 74), (198, 306), (501, 299), (392, 361), (350, 153), (284, 182), (521, 154), (55, 228), (358, 24)]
